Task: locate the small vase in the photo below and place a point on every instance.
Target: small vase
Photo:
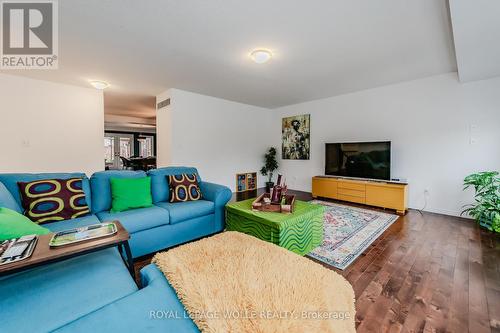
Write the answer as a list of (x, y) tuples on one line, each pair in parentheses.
[(269, 186)]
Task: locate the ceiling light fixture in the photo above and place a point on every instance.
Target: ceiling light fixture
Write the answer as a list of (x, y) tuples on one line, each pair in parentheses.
[(101, 85), (261, 56)]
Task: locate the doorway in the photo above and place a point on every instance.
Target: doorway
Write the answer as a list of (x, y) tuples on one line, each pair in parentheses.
[(117, 145)]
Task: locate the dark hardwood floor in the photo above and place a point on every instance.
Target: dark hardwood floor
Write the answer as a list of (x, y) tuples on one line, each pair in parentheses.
[(426, 273)]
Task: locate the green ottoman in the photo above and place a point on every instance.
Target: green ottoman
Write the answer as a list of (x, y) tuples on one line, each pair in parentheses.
[(300, 232)]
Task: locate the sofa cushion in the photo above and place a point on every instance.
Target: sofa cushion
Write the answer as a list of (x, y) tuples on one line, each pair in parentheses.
[(10, 181), (101, 187), (47, 297), (15, 225), (182, 211), (183, 187), (130, 193), (155, 308), (50, 200), (138, 219), (159, 183), (7, 200), (71, 224)]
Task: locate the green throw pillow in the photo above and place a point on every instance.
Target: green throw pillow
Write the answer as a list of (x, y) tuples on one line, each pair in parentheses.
[(130, 193), (15, 225)]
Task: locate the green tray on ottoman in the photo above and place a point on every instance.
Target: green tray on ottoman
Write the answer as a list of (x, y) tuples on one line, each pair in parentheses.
[(300, 231)]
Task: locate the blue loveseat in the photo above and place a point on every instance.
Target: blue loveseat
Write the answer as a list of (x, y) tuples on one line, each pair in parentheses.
[(95, 292)]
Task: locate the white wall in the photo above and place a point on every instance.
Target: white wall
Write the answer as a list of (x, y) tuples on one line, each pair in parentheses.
[(219, 137), (164, 132), (429, 123), (50, 127)]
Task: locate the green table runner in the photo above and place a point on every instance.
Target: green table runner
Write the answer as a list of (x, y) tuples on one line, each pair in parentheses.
[(299, 232)]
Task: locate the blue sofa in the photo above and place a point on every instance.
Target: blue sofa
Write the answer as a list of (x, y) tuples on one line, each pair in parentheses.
[(164, 224), (95, 292), (151, 229)]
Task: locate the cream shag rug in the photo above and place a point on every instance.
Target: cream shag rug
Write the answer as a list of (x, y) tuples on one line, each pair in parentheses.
[(232, 282)]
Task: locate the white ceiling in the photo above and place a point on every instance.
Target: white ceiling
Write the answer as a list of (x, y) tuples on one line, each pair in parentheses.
[(322, 48), (476, 32)]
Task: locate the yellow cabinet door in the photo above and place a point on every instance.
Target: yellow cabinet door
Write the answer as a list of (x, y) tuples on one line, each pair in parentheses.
[(324, 187), (386, 196)]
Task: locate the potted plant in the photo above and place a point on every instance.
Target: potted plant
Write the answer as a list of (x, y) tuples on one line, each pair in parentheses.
[(486, 208), (270, 165)]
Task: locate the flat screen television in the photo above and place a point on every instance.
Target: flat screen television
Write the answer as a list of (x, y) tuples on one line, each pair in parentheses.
[(359, 159)]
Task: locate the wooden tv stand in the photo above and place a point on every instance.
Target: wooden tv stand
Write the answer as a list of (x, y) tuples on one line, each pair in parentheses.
[(384, 194)]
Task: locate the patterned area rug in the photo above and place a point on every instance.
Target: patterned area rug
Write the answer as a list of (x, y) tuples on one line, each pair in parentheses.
[(348, 231)]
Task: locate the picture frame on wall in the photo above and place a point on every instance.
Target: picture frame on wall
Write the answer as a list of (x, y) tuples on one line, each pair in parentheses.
[(295, 137)]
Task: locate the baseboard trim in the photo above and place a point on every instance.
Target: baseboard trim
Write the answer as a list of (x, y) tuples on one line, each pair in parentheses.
[(446, 212)]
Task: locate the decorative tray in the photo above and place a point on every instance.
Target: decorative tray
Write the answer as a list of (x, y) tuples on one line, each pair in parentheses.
[(82, 234), (262, 203)]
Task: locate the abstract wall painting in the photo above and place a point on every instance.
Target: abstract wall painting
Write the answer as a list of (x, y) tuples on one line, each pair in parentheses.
[(295, 136)]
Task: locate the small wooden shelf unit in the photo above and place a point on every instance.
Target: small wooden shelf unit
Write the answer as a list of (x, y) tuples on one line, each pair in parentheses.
[(384, 194), (246, 182)]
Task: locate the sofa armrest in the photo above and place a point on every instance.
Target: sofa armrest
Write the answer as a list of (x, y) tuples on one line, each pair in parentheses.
[(218, 194), (150, 274)]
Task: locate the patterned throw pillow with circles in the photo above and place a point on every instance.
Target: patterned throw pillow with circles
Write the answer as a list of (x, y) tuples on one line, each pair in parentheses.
[(183, 187), (50, 200)]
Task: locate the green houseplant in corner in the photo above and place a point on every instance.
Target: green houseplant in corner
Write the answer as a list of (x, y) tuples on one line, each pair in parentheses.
[(486, 208), (270, 165)]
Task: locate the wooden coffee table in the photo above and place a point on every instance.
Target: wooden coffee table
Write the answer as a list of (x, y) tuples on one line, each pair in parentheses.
[(43, 254)]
